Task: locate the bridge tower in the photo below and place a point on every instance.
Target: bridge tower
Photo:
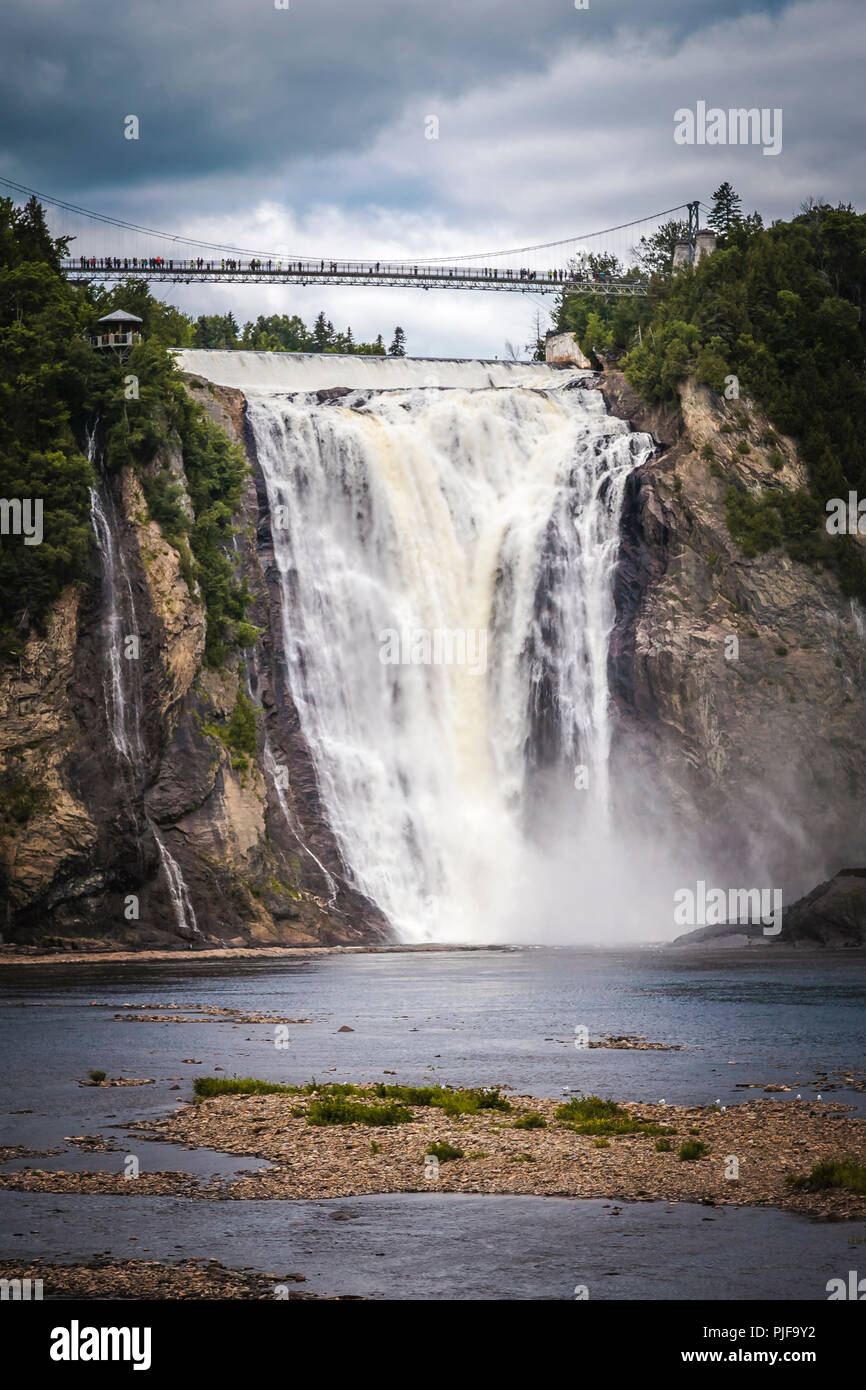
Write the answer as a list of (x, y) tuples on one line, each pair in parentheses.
[(694, 218)]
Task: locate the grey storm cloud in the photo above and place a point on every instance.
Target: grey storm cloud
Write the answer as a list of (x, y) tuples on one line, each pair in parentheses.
[(234, 86)]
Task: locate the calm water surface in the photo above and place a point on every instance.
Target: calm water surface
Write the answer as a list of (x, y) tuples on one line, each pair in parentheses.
[(477, 1018)]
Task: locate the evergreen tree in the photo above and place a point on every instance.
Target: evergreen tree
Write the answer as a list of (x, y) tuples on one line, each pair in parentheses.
[(398, 346), (726, 211), (321, 332), (655, 254)]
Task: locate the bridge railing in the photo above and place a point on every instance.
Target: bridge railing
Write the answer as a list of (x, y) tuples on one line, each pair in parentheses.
[(347, 272), (324, 270), (115, 340)]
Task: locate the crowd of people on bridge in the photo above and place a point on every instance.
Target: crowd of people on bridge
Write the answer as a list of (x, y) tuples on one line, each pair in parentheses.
[(337, 268)]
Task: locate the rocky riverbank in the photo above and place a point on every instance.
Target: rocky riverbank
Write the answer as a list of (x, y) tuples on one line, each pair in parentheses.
[(35, 955)]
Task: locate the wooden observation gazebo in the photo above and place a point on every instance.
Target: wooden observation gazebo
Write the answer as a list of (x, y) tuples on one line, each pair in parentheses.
[(120, 330)]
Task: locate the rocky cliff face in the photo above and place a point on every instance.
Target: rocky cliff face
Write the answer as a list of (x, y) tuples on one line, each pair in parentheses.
[(180, 838), (740, 683)]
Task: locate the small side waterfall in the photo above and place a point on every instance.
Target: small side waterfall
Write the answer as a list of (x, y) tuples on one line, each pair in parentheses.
[(120, 627), (180, 899), (121, 646)]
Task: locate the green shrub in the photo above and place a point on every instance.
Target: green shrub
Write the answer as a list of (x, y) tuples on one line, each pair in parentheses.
[(592, 1115), (663, 1146), (848, 1173), (692, 1150), (333, 1110), (206, 1086), (444, 1151), (531, 1120), (96, 1075), (241, 728), (238, 735), (754, 523), (462, 1101)]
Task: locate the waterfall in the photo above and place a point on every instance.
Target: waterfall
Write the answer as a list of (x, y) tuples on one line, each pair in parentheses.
[(272, 774), (121, 683), (445, 556), (180, 899), (120, 676)]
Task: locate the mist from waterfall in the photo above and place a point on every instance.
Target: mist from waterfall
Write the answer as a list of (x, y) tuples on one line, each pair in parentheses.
[(480, 526)]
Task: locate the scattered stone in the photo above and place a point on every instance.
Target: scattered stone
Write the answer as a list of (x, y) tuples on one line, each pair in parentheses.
[(627, 1042), (91, 1143), (8, 1152), (120, 1081)]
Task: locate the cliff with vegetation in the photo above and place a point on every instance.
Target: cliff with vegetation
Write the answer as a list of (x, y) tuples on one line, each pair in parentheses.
[(738, 661), (137, 806)]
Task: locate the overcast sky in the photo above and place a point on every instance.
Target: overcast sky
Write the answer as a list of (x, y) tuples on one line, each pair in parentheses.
[(303, 129)]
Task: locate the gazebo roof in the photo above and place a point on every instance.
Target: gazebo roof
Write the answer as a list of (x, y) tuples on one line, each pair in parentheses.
[(120, 316)]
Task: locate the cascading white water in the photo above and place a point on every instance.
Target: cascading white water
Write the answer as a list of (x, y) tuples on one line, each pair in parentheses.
[(122, 703), (416, 524)]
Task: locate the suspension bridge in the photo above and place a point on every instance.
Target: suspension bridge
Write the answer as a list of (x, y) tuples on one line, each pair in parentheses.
[(106, 249)]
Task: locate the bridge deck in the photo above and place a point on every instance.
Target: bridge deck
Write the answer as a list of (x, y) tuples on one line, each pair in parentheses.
[(443, 278)]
